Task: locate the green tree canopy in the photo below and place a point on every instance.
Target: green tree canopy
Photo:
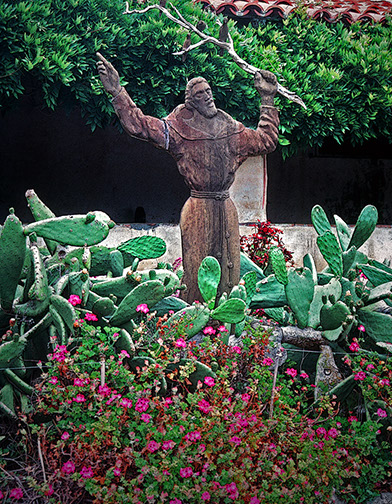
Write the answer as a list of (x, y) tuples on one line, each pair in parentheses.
[(342, 73)]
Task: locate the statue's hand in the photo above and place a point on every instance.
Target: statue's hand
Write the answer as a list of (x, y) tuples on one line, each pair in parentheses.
[(108, 75), (267, 86)]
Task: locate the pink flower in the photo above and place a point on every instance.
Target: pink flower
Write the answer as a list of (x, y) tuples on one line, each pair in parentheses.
[(53, 380), (352, 419), (86, 472), (209, 330), (245, 397), (117, 471), (186, 472), (208, 380), (235, 440), (142, 404), (204, 406), (74, 300), (68, 467), (90, 317), (167, 402), (354, 347), (272, 447), (384, 381), (254, 500), (236, 349), (232, 490), (124, 353), (369, 367), (145, 417), (360, 376), (193, 436), (79, 398), (153, 446), (50, 490), (142, 308), (175, 501), (202, 448), (222, 328), (16, 493), (1, 495), (361, 328), (126, 403), (104, 390), (304, 375), (78, 382), (65, 436), (205, 496), (321, 432), (267, 361), (168, 445), (382, 413), (291, 372), (180, 343), (333, 433)]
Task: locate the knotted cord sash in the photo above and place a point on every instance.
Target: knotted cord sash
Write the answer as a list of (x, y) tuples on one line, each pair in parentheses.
[(218, 196)]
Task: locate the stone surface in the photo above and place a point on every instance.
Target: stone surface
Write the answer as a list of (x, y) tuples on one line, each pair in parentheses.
[(299, 239)]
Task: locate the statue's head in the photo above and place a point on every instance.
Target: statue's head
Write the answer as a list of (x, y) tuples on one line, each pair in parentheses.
[(198, 95)]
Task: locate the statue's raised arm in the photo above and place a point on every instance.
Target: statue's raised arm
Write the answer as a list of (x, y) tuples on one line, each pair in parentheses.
[(134, 122), (108, 75)]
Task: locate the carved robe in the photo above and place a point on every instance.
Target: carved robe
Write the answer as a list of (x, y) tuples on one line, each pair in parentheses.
[(208, 152)]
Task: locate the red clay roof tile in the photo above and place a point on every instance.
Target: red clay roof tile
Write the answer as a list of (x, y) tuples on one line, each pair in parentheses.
[(348, 11)]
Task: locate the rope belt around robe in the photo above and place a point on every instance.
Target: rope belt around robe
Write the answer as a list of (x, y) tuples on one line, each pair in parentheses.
[(223, 224), (216, 195)]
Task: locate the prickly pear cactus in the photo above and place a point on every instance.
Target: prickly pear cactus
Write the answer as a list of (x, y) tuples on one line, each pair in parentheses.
[(331, 252), (76, 230), (144, 247), (364, 227), (208, 278), (231, 311), (320, 220), (12, 256), (278, 265), (299, 293), (343, 231)]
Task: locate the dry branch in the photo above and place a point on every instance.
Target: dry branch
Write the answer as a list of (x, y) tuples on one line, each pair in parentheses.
[(205, 39)]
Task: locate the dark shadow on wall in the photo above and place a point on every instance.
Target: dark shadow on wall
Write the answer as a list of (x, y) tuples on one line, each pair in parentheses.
[(74, 170), (341, 185)]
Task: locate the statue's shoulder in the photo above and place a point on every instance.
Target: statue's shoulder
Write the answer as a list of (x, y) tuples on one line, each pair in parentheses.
[(221, 125)]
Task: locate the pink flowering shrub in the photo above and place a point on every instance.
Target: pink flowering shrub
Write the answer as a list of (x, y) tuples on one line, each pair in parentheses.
[(133, 440)]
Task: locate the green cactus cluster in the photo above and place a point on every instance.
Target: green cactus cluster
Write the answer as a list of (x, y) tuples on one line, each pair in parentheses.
[(336, 300), (37, 281)]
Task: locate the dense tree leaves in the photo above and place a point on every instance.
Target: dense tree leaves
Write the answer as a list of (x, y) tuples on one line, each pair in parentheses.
[(342, 73)]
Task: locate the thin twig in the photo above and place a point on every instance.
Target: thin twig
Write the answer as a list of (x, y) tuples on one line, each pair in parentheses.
[(41, 459), (277, 358), (205, 39)]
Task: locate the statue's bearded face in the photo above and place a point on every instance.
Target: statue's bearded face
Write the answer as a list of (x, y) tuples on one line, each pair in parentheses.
[(201, 99)]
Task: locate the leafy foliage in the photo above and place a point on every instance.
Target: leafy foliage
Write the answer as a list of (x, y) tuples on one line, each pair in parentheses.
[(342, 73)]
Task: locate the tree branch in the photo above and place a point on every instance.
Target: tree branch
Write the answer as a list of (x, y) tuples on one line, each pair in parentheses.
[(205, 39)]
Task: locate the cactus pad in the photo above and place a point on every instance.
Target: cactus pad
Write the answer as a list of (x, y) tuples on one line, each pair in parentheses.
[(343, 232), (364, 227), (299, 293), (320, 220), (74, 230), (231, 311), (144, 247), (208, 279), (331, 251), (278, 265)]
